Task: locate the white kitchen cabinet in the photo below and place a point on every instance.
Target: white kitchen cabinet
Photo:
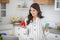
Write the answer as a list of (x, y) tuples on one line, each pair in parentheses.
[(2, 12), (57, 4), (20, 32), (7, 28)]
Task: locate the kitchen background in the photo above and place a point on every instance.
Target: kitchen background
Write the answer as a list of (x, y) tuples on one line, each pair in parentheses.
[(48, 11)]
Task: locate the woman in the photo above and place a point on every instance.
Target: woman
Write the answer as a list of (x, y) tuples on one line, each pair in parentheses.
[(34, 22)]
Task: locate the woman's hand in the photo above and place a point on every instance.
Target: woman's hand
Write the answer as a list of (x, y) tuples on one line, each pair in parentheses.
[(23, 24), (46, 29)]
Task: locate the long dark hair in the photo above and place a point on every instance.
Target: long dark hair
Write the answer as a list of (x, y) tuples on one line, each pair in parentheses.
[(35, 6)]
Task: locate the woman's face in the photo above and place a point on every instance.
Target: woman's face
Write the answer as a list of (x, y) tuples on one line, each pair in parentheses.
[(33, 11)]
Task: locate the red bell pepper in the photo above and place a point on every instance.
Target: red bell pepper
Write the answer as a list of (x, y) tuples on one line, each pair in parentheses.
[(22, 24)]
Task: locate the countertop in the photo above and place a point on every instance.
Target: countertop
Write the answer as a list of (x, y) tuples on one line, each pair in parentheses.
[(53, 34), (5, 37), (55, 31)]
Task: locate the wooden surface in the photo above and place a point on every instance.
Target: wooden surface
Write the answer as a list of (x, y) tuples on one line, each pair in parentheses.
[(4, 1), (49, 2)]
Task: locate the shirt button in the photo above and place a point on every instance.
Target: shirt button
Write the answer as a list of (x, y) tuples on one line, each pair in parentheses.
[(34, 25), (34, 29)]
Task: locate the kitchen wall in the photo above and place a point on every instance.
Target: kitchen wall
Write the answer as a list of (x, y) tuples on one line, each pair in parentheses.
[(12, 10), (52, 16), (50, 13), (47, 10)]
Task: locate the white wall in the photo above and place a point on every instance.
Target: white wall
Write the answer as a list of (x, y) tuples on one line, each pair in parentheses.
[(47, 10), (12, 10), (52, 16), (50, 13)]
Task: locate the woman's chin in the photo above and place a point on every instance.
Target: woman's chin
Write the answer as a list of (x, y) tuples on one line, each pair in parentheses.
[(33, 15)]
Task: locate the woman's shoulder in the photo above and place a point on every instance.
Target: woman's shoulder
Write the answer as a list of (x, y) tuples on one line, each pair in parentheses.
[(43, 20)]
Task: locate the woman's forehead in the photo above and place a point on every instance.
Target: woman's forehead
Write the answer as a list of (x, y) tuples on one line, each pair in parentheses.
[(31, 8)]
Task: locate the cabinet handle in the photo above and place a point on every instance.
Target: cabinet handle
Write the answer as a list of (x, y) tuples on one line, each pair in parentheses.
[(18, 28), (56, 36), (18, 34)]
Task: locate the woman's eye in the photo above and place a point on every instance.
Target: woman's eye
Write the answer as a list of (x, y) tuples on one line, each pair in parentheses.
[(33, 10)]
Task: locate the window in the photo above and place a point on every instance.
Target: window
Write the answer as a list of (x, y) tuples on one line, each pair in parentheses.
[(57, 4), (3, 10)]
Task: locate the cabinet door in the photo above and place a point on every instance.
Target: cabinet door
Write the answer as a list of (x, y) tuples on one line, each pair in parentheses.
[(40, 1), (44, 1), (4, 1), (0, 1), (51, 2)]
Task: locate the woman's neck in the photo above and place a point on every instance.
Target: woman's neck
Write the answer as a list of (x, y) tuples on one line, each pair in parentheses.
[(34, 18)]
